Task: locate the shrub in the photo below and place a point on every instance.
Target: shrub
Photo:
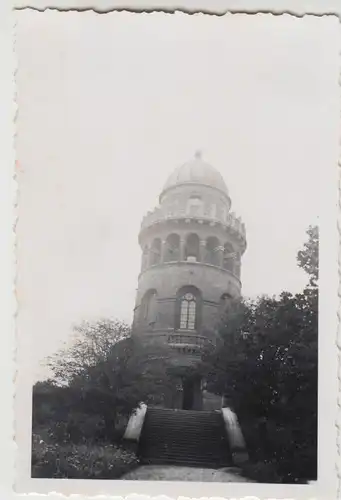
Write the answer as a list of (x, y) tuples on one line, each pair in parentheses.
[(278, 453), (82, 461)]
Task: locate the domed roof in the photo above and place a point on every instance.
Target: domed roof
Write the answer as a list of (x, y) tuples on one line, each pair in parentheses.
[(196, 171)]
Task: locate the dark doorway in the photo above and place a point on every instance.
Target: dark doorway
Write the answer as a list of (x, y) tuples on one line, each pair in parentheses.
[(188, 393), (192, 393)]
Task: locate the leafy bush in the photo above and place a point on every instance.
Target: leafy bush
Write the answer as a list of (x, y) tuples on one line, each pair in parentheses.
[(82, 461)]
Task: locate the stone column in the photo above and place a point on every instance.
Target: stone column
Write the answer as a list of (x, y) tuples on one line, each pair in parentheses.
[(202, 250), (163, 250), (182, 248), (221, 256)]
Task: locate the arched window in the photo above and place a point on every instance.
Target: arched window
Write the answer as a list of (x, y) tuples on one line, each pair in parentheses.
[(225, 301), (229, 257), (194, 206), (155, 252), (212, 251), (188, 312), (192, 248), (172, 250), (188, 308), (148, 308)]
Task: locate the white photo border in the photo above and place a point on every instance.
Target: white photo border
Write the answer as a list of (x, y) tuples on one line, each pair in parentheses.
[(330, 300)]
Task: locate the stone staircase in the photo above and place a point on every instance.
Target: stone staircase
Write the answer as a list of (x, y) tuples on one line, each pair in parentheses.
[(184, 437)]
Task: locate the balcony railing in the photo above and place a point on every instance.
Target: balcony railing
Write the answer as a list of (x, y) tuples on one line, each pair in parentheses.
[(186, 342)]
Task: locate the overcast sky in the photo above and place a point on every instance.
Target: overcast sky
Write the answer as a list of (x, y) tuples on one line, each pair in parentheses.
[(109, 105)]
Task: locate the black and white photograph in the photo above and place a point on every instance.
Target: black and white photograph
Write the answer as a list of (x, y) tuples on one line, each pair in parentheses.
[(176, 251)]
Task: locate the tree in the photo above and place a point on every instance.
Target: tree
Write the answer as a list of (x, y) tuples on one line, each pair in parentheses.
[(102, 377), (92, 343), (308, 257), (267, 366)]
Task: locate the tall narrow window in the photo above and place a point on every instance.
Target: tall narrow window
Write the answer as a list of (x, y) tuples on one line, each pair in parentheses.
[(188, 308), (194, 206), (192, 248), (188, 312)]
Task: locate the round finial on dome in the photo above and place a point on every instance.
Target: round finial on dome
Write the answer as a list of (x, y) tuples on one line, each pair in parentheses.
[(198, 154)]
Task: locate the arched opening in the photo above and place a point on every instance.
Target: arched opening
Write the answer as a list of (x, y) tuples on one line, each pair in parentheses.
[(188, 311), (188, 308), (155, 252), (172, 250), (194, 206), (148, 308), (229, 257), (212, 251), (192, 248)]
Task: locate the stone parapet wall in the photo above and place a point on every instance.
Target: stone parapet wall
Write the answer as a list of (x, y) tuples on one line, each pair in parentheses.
[(231, 223)]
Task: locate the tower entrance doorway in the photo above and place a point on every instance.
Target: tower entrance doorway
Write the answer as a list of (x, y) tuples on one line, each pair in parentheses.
[(188, 394), (191, 393)]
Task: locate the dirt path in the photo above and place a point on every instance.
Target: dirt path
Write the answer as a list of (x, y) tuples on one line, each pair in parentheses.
[(175, 473)]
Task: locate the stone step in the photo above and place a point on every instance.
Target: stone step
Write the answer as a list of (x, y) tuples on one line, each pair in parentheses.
[(187, 462), (184, 413), (169, 428), (184, 437)]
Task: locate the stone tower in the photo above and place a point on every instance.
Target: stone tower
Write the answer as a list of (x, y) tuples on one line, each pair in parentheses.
[(191, 258)]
